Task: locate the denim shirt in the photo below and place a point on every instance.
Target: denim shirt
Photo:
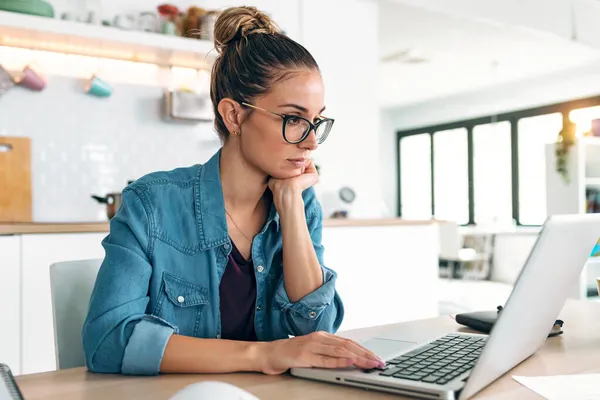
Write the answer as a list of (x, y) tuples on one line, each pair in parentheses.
[(165, 255)]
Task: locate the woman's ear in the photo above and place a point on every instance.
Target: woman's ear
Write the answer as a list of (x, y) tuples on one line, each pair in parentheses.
[(232, 113)]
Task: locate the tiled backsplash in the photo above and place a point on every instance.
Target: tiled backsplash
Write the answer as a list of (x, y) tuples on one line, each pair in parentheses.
[(83, 145)]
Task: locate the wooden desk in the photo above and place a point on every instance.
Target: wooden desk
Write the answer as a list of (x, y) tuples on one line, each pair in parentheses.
[(576, 351)]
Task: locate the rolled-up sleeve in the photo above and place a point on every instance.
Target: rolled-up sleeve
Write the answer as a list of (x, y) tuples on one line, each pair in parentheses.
[(118, 336), (320, 310)]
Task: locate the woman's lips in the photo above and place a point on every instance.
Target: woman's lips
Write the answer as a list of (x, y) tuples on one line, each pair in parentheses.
[(298, 162)]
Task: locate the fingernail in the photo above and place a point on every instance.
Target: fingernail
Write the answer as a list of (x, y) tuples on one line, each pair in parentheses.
[(381, 364)]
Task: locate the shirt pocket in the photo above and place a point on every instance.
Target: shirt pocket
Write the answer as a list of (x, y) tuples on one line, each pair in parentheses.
[(181, 303)]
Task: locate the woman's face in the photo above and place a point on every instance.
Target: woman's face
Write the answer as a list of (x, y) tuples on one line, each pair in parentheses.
[(261, 139)]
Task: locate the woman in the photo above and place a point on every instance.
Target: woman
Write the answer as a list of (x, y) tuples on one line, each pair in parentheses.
[(212, 268)]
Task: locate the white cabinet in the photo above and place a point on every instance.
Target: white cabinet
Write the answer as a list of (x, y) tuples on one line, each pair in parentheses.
[(583, 167), (386, 274), (10, 302), (39, 252)]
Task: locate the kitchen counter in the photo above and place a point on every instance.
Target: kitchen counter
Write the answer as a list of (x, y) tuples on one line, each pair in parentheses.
[(96, 227), (52, 227)]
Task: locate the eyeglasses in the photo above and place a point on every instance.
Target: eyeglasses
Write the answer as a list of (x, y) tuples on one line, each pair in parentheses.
[(296, 128)]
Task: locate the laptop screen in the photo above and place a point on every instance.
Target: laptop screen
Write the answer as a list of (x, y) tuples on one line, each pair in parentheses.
[(8, 387)]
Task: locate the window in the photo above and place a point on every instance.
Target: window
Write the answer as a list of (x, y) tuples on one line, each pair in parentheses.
[(534, 134), (451, 175), (486, 170), (492, 173), (415, 178), (583, 117)]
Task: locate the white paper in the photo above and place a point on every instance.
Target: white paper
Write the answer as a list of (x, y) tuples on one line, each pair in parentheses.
[(563, 387)]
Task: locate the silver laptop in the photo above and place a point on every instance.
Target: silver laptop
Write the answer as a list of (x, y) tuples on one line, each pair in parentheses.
[(457, 366)]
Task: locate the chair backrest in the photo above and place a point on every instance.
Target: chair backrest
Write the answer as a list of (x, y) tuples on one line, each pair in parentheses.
[(450, 240), (71, 285)]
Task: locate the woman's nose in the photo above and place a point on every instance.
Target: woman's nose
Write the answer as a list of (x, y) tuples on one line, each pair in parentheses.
[(310, 142)]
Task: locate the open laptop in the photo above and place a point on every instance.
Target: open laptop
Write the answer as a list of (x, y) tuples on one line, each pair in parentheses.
[(459, 365)]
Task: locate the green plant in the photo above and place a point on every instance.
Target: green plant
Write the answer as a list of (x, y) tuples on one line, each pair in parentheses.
[(564, 141)]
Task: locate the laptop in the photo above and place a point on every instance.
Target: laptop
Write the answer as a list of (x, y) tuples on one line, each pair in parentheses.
[(8, 387), (459, 365)]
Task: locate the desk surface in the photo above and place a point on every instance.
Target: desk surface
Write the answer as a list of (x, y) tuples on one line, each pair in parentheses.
[(576, 351)]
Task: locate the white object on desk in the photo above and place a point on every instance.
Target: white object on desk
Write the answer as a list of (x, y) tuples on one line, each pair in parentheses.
[(563, 387), (212, 390)]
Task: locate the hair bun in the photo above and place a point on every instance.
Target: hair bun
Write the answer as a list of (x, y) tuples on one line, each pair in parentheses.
[(238, 22)]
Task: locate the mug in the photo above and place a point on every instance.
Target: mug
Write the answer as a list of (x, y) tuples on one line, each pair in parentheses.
[(148, 22), (31, 79), (125, 21), (97, 87)]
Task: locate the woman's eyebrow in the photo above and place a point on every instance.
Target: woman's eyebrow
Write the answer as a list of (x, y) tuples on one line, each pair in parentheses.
[(300, 108)]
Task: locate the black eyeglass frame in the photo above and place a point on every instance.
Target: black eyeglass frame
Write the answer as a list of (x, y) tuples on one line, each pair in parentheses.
[(286, 118)]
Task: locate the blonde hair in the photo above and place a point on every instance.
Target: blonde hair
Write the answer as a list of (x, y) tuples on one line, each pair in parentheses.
[(253, 55)]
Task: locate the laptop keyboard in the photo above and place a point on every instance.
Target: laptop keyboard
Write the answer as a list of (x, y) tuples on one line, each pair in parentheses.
[(437, 362)]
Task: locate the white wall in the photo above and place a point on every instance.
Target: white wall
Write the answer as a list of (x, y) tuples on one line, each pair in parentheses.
[(388, 164), (347, 54), (82, 145)]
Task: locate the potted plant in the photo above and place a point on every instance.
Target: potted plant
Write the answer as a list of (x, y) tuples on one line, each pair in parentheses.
[(565, 140)]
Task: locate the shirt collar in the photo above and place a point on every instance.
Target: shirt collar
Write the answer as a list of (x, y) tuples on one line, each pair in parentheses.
[(210, 206)]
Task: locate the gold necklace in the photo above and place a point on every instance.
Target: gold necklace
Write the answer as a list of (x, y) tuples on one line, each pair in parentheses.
[(238, 228)]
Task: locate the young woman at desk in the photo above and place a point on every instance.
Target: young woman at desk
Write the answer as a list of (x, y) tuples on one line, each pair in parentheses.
[(211, 268)]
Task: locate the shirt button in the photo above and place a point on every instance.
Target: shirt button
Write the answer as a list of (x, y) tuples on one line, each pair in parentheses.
[(227, 246), (181, 299), (312, 314), (260, 268), (258, 308), (219, 336)]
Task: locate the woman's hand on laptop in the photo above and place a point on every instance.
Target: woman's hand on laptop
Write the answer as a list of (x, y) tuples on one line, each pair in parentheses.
[(319, 349)]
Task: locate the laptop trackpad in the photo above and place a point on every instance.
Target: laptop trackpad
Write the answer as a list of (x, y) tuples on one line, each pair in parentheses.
[(387, 348)]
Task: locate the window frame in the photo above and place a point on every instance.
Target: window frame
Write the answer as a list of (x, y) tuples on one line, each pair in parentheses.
[(513, 118)]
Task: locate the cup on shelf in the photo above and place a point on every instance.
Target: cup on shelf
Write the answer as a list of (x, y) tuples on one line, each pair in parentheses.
[(125, 21), (97, 87), (148, 22), (31, 79)]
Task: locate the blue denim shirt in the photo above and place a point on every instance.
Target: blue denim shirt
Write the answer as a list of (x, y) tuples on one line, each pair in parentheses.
[(165, 255)]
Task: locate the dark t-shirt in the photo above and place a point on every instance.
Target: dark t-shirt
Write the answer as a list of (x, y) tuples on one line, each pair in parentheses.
[(237, 293)]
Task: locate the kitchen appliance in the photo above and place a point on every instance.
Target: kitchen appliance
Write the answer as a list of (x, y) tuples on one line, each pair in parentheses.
[(15, 179), (112, 201), (188, 105)]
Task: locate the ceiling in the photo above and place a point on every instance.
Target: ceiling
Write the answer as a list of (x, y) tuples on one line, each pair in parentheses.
[(435, 48)]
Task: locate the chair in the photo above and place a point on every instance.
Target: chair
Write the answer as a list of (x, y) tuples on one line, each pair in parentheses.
[(71, 285), (454, 252)]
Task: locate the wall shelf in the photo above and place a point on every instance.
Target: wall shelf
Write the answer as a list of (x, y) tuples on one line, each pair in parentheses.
[(592, 183), (48, 34)]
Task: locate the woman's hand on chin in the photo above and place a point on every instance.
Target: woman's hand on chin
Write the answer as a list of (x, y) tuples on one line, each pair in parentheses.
[(286, 191)]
